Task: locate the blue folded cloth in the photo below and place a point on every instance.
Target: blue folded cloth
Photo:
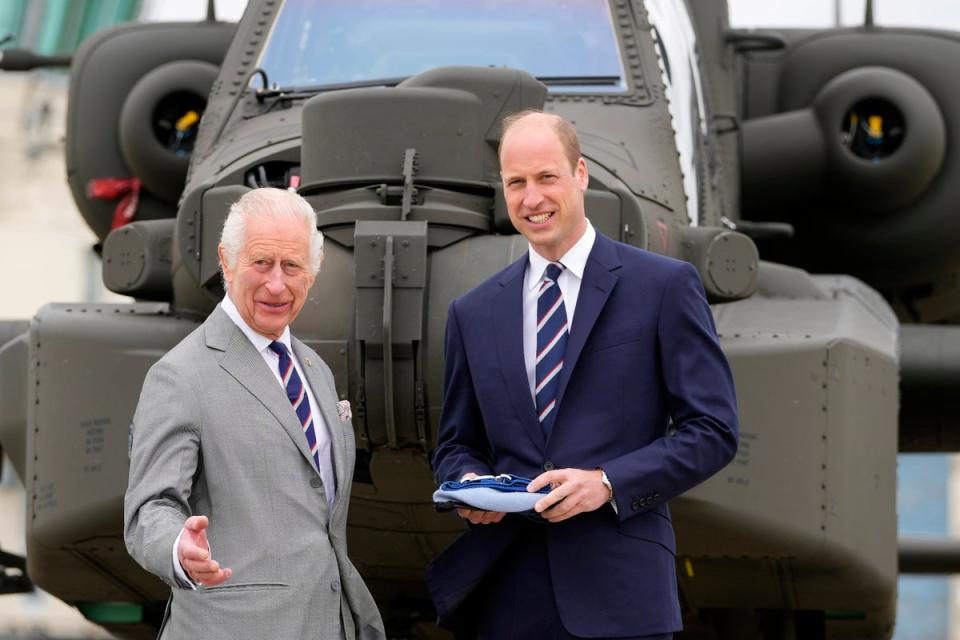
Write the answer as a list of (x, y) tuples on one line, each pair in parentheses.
[(504, 492)]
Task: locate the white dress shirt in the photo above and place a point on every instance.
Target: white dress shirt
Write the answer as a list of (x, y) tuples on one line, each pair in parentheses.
[(262, 344), (574, 262)]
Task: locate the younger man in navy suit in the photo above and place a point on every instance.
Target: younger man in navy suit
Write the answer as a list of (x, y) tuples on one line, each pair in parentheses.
[(594, 368)]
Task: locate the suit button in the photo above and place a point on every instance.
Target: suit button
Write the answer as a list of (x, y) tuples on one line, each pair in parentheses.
[(643, 502), (316, 483), (635, 505), (548, 466), (335, 586), (656, 496)]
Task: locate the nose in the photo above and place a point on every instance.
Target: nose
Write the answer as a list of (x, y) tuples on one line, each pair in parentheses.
[(532, 196), (275, 283)]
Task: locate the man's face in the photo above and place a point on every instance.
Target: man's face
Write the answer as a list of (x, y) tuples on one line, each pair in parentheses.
[(272, 276), (544, 194)]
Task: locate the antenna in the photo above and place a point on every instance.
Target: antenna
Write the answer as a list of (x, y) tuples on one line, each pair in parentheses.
[(211, 11), (868, 18)]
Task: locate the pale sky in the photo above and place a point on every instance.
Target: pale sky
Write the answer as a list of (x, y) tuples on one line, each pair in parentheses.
[(934, 14), (163, 10)]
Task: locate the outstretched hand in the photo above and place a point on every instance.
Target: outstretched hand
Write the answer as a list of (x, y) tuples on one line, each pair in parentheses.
[(478, 516), (194, 554), (574, 491)]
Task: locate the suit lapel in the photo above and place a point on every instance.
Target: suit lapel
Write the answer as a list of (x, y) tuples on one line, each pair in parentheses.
[(326, 398), (242, 361), (508, 328), (599, 279)]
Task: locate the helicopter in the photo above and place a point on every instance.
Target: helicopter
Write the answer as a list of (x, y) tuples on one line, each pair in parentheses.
[(806, 174)]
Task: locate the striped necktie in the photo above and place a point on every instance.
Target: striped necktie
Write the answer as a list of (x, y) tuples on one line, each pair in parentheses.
[(297, 394), (551, 345)]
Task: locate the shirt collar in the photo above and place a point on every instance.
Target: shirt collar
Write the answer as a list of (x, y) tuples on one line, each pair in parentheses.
[(574, 260), (260, 342)]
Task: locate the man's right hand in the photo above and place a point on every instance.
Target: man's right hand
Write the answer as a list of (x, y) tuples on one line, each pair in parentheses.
[(477, 516), (194, 554)]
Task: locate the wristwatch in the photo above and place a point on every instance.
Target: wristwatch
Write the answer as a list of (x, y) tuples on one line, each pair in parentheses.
[(606, 482)]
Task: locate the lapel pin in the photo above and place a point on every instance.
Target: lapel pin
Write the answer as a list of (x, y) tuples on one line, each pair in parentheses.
[(307, 360)]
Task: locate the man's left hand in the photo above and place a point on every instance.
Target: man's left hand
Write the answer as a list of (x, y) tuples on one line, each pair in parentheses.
[(574, 491)]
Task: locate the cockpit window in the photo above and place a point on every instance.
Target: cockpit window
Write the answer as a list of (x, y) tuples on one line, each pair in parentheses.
[(570, 45)]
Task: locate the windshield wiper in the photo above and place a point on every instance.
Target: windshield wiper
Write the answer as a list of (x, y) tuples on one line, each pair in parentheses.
[(579, 81), (294, 93)]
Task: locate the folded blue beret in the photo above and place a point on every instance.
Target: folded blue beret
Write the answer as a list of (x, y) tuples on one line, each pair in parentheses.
[(504, 493)]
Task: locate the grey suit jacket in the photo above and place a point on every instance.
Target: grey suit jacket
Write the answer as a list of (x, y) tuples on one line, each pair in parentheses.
[(214, 434)]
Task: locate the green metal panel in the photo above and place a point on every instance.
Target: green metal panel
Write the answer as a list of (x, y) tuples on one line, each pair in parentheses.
[(51, 25), (66, 24), (11, 16)]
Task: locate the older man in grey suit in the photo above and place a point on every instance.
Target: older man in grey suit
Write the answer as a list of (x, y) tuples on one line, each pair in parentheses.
[(242, 458)]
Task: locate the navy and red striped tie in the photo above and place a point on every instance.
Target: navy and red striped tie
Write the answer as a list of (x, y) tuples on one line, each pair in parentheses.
[(551, 345), (297, 394)]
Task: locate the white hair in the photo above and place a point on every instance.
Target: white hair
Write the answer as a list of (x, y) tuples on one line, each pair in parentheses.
[(281, 203)]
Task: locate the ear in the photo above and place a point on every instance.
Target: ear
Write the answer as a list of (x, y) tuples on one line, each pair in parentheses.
[(583, 177), (224, 266)]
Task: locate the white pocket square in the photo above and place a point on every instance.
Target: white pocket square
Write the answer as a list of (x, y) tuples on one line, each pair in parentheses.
[(343, 410)]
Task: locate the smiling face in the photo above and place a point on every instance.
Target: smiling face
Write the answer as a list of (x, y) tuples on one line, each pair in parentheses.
[(272, 275), (544, 194)]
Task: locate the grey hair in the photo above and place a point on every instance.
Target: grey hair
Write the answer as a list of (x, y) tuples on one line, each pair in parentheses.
[(282, 203)]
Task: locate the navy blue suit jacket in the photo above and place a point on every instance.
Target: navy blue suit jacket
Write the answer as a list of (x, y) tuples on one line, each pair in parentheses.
[(645, 393)]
